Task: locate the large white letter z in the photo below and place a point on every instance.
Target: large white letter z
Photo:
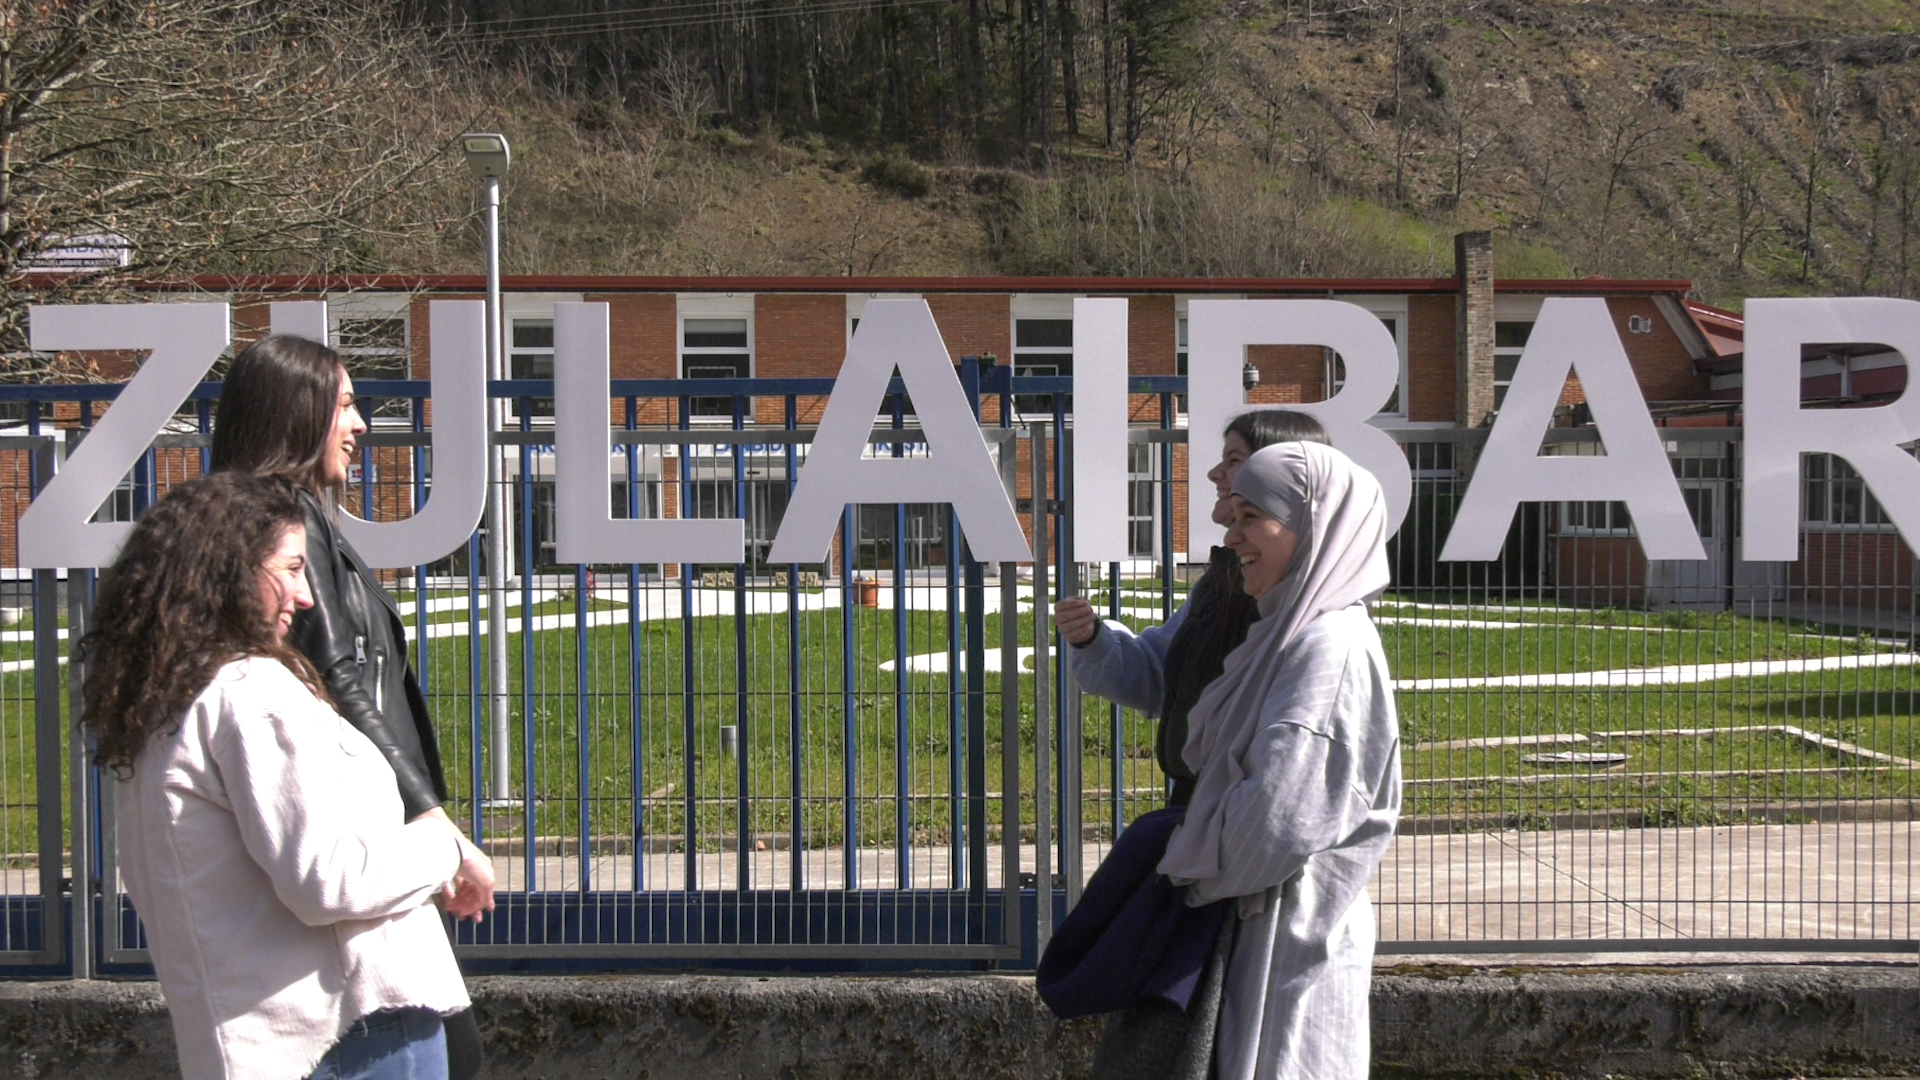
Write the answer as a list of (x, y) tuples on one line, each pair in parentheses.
[(184, 340)]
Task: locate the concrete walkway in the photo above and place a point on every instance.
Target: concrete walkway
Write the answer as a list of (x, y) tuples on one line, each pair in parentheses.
[(1831, 880)]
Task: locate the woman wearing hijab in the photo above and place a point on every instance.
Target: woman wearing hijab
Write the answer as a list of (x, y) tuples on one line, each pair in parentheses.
[(1162, 670), (1296, 750)]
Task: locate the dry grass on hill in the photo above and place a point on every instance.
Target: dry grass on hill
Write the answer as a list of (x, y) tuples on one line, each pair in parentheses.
[(1633, 139)]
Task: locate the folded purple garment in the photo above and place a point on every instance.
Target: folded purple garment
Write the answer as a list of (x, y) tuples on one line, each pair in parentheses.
[(1132, 936)]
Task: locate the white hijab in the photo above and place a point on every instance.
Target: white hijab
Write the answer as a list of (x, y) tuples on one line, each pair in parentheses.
[(1339, 513)]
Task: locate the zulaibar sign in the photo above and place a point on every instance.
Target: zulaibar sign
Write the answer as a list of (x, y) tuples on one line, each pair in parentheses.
[(1571, 336)]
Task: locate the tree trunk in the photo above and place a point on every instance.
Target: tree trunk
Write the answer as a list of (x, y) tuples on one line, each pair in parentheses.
[(1069, 25), (1106, 69)]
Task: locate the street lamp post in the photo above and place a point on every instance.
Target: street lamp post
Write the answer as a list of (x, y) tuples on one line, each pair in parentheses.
[(487, 155)]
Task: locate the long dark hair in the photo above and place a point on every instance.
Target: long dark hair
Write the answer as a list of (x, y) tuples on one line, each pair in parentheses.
[(182, 600), (1261, 428), (277, 410)]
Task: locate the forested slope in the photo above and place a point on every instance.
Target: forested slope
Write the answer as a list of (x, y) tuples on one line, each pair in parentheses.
[(1753, 147)]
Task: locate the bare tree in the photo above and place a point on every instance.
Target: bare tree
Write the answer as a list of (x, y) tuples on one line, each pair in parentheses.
[(234, 136), (1823, 107), (1627, 129)]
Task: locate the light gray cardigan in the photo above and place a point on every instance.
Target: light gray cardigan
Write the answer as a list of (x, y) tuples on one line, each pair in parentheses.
[(283, 896)]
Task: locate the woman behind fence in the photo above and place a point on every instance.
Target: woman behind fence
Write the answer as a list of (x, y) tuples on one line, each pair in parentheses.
[(287, 409), (287, 906), (1162, 670), (1296, 750)]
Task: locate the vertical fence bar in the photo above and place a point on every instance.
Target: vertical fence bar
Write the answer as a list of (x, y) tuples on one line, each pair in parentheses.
[(850, 761), (796, 774), (742, 754), (1043, 729), (48, 725), (1072, 733), (636, 669), (689, 733), (902, 705)]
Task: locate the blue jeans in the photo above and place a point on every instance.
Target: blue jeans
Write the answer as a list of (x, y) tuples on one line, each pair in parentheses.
[(393, 1044)]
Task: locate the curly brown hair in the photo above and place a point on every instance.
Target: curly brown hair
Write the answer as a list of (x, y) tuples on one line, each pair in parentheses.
[(181, 601)]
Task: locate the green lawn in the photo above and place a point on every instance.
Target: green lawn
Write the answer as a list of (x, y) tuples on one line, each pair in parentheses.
[(625, 753)]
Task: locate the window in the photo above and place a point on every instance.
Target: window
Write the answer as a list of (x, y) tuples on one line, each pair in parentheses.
[(922, 536), (119, 503), (375, 347), (530, 356), (1835, 494), (1337, 368), (1595, 517), (1041, 347), (1509, 341), (1592, 517), (1180, 358), (714, 349), (1142, 536)]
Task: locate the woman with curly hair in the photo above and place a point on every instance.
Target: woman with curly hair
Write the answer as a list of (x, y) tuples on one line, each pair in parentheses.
[(287, 409), (288, 908)]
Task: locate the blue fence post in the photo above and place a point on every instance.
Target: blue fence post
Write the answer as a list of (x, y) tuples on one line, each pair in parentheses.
[(690, 775), (850, 759), (902, 710), (796, 778), (636, 697), (743, 781), (975, 742)]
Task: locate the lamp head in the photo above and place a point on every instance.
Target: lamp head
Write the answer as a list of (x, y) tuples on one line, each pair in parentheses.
[(1249, 375), (487, 154)]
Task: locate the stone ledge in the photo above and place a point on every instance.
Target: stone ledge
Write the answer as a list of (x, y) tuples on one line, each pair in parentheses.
[(1429, 1021)]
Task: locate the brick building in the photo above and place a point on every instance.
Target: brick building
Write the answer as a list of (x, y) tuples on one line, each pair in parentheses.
[(1459, 341)]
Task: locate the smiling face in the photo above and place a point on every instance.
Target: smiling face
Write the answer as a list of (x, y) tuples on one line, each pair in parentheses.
[(283, 579), (1234, 453), (344, 436), (1266, 547)]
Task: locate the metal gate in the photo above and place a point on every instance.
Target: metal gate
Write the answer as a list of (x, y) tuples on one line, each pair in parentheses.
[(882, 761)]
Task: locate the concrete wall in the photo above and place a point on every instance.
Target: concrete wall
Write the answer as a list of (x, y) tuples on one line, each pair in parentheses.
[(1429, 1021)]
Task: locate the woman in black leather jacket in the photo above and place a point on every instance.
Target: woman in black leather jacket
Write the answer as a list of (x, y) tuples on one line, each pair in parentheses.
[(287, 409)]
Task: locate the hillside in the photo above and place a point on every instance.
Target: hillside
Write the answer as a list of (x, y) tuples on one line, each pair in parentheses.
[(1631, 139)]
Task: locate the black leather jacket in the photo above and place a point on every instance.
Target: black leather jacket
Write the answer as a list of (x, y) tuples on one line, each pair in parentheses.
[(354, 637), (1219, 614)]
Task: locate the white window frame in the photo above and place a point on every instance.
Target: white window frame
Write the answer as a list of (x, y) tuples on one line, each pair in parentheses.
[(1823, 518), (346, 310), (1383, 308), (698, 307), (1034, 308), (1147, 453), (542, 415), (1511, 309), (519, 308), (1613, 507)]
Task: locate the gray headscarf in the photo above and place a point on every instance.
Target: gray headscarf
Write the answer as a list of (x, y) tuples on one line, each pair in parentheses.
[(1339, 513)]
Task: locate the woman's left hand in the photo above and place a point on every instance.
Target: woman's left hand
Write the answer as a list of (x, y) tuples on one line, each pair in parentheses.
[(470, 894)]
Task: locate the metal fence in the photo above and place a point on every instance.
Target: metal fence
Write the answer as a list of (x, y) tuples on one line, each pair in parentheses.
[(882, 760)]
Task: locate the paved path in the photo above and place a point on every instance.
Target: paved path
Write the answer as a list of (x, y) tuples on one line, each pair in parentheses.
[(1831, 880)]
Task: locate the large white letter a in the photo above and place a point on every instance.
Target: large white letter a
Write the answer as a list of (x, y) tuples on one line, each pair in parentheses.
[(958, 470)]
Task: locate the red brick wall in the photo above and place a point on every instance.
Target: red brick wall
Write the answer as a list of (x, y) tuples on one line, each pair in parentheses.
[(797, 335), (1659, 359), (975, 326), (1430, 341), (1289, 374), (1872, 570), (1605, 571)]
